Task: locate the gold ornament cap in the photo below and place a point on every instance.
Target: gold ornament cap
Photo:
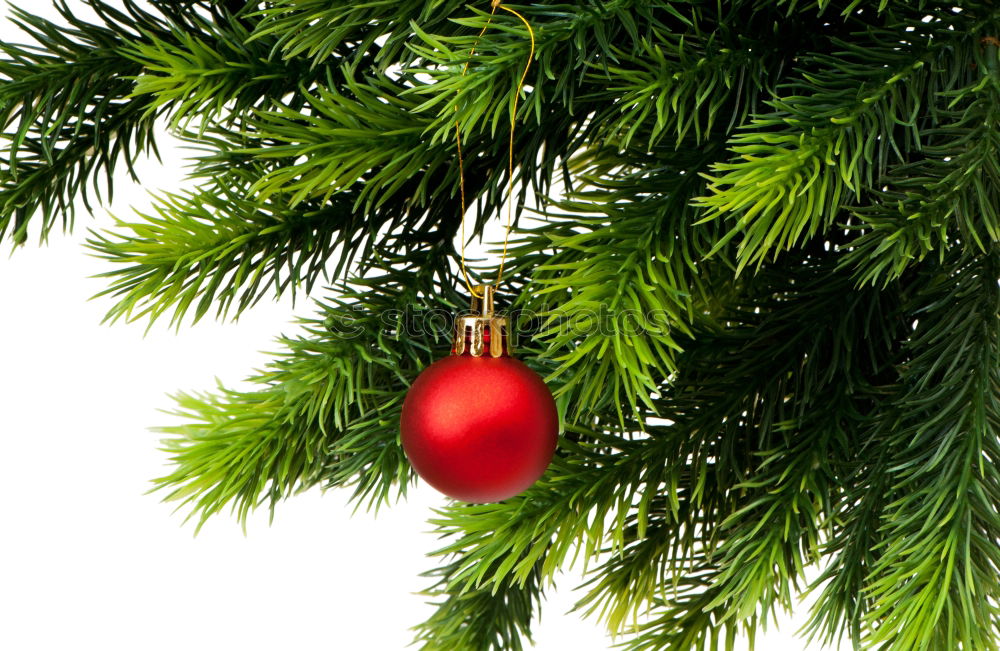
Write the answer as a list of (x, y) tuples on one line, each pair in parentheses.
[(482, 331)]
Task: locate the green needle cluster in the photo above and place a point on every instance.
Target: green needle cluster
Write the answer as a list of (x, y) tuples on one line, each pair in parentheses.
[(756, 256)]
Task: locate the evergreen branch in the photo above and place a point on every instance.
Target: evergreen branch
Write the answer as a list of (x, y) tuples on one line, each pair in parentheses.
[(831, 134), (660, 546), (71, 98), (622, 284), (211, 72), (236, 450), (936, 582), (327, 148), (504, 542), (686, 621), (478, 92), (209, 244), (336, 137), (729, 542), (852, 548), (843, 8), (78, 113), (811, 416), (790, 494), (487, 620), (681, 83), (66, 96), (947, 198), (216, 245), (317, 31), (327, 412), (773, 534), (516, 546)]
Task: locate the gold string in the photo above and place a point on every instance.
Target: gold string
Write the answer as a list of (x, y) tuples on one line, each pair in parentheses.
[(510, 159)]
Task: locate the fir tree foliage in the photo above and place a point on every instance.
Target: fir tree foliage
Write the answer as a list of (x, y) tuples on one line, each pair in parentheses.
[(756, 257)]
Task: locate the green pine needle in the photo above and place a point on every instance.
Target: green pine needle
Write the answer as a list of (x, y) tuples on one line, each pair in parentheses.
[(754, 255)]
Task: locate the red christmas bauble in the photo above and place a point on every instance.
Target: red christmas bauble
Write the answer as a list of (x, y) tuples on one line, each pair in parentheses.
[(479, 429)]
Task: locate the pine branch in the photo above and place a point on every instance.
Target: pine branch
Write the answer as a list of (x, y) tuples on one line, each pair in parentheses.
[(831, 135), (789, 495), (728, 544), (216, 246), (852, 549), (490, 620), (936, 582), (623, 283), (503, 542), (223, 241), (216, 73), (685, 620), (949, 197), (65, 118), (78, 114), (327, 412), (478, 92), (336, 136), (315, 30), (660, 547), (682, 82), (839, 404)]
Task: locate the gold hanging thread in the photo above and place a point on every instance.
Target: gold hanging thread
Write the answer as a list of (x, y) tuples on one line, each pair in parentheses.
[(495, 4)]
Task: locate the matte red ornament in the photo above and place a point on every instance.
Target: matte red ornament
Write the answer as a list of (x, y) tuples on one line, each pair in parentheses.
[(479, 425)]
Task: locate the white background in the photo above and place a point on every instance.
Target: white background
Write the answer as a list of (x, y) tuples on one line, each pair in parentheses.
[(89, 561)]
